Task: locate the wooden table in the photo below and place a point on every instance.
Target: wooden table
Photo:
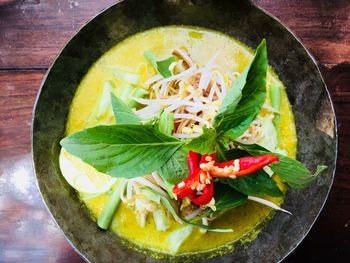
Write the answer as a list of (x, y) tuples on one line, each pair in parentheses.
[(31, 34)]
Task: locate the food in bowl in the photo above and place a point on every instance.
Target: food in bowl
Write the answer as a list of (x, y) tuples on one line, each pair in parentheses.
[(180, 140)]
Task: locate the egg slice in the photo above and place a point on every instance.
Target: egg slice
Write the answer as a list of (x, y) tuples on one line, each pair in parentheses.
[(83, 177)]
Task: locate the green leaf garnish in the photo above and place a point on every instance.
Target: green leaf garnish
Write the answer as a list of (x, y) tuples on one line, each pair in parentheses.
[(245, 98), (175, 169), (161, 66), (124, 151), (258, 183), (293, 172), (226, 197), (205, 143), (122, 113)]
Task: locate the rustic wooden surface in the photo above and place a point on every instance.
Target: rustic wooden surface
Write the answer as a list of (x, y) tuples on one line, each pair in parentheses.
[(31, 34)]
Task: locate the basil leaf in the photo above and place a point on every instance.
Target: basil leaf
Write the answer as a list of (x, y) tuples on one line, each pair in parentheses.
[(245, 98), (205, 143), (220, 150), (175, 169), (122, 113), (258, 183), (245, 114), (293, 172), (226, 197), (166, 123), (161, 66), (232, 98), (123, 151)]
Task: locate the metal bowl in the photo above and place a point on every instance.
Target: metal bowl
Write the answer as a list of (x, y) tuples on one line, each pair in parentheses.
[(312, 107)]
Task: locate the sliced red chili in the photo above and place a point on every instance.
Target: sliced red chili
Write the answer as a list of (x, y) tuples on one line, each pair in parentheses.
[(247, 165), (193, 159), (205, 197), (199, 177), (187, 186), (204, 158)]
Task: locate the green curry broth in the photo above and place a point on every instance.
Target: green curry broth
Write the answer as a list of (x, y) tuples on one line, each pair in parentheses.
[(128, 55)]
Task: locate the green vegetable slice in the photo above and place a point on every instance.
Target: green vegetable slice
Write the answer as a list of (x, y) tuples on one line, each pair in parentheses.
[(126, 76), (108, 211), (160, 219), (105, 100), (150, 195), (178, 237), (275, 98), (166, 123), (161, 66)]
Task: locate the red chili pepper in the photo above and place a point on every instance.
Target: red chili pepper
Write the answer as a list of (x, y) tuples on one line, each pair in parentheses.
[(247, 165), (193, 159), (205, 197), (188, 186), (184, 188), (199, 175), (204, 158)]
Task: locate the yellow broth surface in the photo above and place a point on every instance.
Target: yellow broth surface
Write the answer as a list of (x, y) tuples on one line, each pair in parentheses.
[(128, 55)]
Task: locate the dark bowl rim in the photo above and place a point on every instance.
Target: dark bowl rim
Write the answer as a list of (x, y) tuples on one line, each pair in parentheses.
[(336, 137), (334, 122)]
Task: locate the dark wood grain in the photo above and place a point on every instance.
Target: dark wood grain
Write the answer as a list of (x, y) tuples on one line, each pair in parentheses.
[(32, 33)]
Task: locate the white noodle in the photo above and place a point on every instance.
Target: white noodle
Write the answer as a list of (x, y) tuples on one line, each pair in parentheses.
[(203, 99), (150, 110), (129, 190), (158, 180), (221, 81), (219, 94), (205, 221), (206, 73), (144, 181), (267, 203), (153, 79), (191, 117), (193, 214), (164, 88), (142, 101), (212, 91), (186, 136), (182, 74)]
